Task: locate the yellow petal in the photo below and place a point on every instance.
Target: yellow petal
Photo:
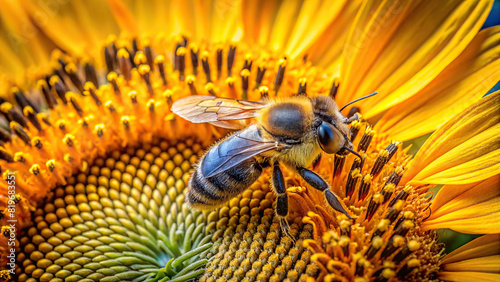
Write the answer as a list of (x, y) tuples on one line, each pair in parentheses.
[(477, 260), (460, 84), (466, 149), (398, 47), (471, 208)]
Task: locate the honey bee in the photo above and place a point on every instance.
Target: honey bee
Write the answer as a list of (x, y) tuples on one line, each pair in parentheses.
[(289, 132)]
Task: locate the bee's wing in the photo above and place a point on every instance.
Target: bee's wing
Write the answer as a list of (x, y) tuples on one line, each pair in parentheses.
[(235, 150), (215, 110)]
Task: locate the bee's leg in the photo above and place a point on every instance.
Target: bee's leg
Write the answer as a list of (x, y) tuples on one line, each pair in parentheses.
[(279, 187), (352, 118), (319, 183)]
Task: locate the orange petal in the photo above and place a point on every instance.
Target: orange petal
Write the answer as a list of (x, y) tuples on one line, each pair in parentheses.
[(477, 260), (398, 47), (466, 149), (471, 208), (460, 84)]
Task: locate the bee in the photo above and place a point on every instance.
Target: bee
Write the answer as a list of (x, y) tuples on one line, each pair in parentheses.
[(290, 132)]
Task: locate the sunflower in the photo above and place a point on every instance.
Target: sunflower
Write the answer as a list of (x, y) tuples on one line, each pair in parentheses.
[(95, 165)]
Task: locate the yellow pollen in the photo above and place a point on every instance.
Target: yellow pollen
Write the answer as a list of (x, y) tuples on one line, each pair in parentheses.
[(160, 59), (144, 69), (122, 53), (413, 245), (398, 241), (399, 170), (28, 110), (19, 157), (245, 73), (51, 165), (35, 169), (409, 215), (70, 68), (383, 225), (413, 263), (89, 85), (140, 58), (388, 273), (345, 224), (190, 79), (368, 179), (377, 242), (388, 264), (390, 188), (6, 107), (41, 84), (181, 51), (54, 80), (378, 198), (383, 153), (112, 76), (408, 224), (344, 241)]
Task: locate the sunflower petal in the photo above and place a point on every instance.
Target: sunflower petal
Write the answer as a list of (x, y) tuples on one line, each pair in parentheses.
[(464, 81), (466, 149), (477, 260), (471, 208), (426, 36)]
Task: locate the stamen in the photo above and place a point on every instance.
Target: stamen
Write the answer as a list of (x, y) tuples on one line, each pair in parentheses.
[(144, 72), (6, 157), (334, 89), (91, 90), (194, 55), (149, 56), (394, 211), (71, 71), (209, 87), (248, 62), (16, 128), (90, 74), (280, 75), (375, 202), (392, 182), (366, 139), (219, 62), (402, 195), (261, 71), (355, 126), (353, 177), (49, 98), (382, 159), (13, 115), (230, 59), (382, 227), (407, 215), (206, 66), (377, 243), (344, 243), (364, 187), (338, 165), (160, 63), (190, 82), (245, 73), (109, 60), (124, 62), (168, 96), (384, 275), (404, 227), (264, 93), (180, 61), (30, 114), (112, 76), (394, 243), (59, 87), (140, 58), (411, 247), (345, 227), (302, 86), (5, 135), (408, 268), (21, 99)]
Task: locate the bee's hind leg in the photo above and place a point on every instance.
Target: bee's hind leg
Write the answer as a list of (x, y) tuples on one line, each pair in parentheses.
[(279, 187), (317, 182)]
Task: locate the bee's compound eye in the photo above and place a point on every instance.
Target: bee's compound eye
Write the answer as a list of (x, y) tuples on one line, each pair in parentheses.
[(329, 138)]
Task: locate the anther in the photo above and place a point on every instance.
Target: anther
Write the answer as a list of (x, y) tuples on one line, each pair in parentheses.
[(248, 62), (6, 156), (149, 55), (230, 85), (112, 77), (355, 126), (352, 178), (394, 243), (360, 266), (35, 169), (364, 187), (411, 247), (160, 63), (195, 57), (261, 71), (394, 211), (407, 215), (280, 75), (71, 97), (402, 195), (230, 59), (334, 89), (19, 157), (91, 90), (380, 162), (180, 61), (140, 58), (16, 128), (344, 242), (21, 99), (219, 62), (99, 130), (345, 227), (90, 74), (108, 58), (382, 227), (49, 98), (126, 122), (37, 142), (109, 105), (404, 227), (338, 165), (205, 65), (13, 115), (133, 96), (30, 114), (135, 48), (5, 135), (392, 149), (245, 73), (151, 105), (168, 96), (366, 139), (264, 93), (61, 124), (411, 265), (387, 191), (377, 243), (51, 165), (124, 62), (69, 140), (302, 86), (375, 202), (144, 72), (209, 87), (59, 87), (73, 76), (190, 83)]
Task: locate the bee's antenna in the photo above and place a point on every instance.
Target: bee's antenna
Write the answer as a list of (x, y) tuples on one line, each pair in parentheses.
[(356, 154), (359, 99)]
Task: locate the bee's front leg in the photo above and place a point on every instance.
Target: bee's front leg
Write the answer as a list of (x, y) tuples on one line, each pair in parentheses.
[(279, 187), (317, 182)]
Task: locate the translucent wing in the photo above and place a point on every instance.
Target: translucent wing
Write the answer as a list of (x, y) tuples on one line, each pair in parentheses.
[(200, 109), (235, 150)]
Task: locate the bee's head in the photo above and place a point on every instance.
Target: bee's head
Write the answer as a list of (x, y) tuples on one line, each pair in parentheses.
[(330, 138)]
